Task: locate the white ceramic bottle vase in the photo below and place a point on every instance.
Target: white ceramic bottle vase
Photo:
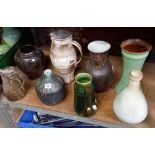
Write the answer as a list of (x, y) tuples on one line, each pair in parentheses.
[(130, 106)]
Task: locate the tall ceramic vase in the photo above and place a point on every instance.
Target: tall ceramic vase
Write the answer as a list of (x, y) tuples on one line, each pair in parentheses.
[(135, 52)]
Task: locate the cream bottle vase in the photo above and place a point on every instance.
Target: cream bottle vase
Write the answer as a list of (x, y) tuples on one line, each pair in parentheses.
[(130, 106)]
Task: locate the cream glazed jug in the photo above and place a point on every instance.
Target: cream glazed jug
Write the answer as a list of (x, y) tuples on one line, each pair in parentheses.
[(63, 54), (130, 106)]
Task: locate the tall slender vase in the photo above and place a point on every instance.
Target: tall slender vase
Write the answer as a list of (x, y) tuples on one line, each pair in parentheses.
[(135, 52)]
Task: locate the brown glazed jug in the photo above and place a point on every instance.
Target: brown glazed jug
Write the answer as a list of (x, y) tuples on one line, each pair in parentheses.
[(30, 60), (15, 83), (98, 65)]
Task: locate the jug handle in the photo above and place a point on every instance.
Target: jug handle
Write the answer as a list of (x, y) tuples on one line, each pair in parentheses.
[(76, 44)]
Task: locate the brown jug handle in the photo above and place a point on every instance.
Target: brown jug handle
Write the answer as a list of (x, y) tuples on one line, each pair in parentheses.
[(76, 44)]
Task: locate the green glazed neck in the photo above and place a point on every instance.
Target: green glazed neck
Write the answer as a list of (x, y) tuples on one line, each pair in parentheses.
[(83, 79)]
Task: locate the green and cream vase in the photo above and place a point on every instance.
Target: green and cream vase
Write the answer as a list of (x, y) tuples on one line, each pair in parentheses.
[(131, 61)]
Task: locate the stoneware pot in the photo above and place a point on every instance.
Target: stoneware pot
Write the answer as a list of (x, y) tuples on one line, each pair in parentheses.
[(135, 52), (99, 66), (30, 60), (50, 88)]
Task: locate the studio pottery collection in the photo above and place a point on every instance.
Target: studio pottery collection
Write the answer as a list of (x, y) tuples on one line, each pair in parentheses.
[(130, 105)]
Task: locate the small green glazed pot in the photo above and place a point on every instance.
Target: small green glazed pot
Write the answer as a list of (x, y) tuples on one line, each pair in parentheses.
[(84, 97), (131, 61)]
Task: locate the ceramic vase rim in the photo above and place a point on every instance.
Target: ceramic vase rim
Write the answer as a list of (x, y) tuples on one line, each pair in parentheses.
[(103, 46), (143, 42), (82, 74)]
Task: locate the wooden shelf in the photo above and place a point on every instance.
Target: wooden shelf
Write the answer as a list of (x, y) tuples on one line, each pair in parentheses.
[(104, 115)]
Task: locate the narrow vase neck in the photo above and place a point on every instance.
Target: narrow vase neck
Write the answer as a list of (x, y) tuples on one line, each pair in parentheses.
[(133, 85)]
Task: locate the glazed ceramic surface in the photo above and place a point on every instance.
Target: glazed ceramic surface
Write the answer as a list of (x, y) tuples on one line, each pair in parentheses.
[(10, 35), (84, 97), (98, 65), (30, 60), (1, 89), (50, 88), (130, 106), (63, 55), (15, 83), (131, 60), (4, 48)]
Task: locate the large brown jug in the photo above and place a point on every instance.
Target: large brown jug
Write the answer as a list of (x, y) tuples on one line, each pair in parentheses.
[(15, 83)]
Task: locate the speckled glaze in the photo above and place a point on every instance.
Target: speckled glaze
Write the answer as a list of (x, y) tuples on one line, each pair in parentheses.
[(98, 65), (15, 83), (50, 88), (131, 61), (30, 60)]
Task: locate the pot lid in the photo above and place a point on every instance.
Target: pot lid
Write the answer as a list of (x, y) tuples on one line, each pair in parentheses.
[(60, 35), (99, 46)]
